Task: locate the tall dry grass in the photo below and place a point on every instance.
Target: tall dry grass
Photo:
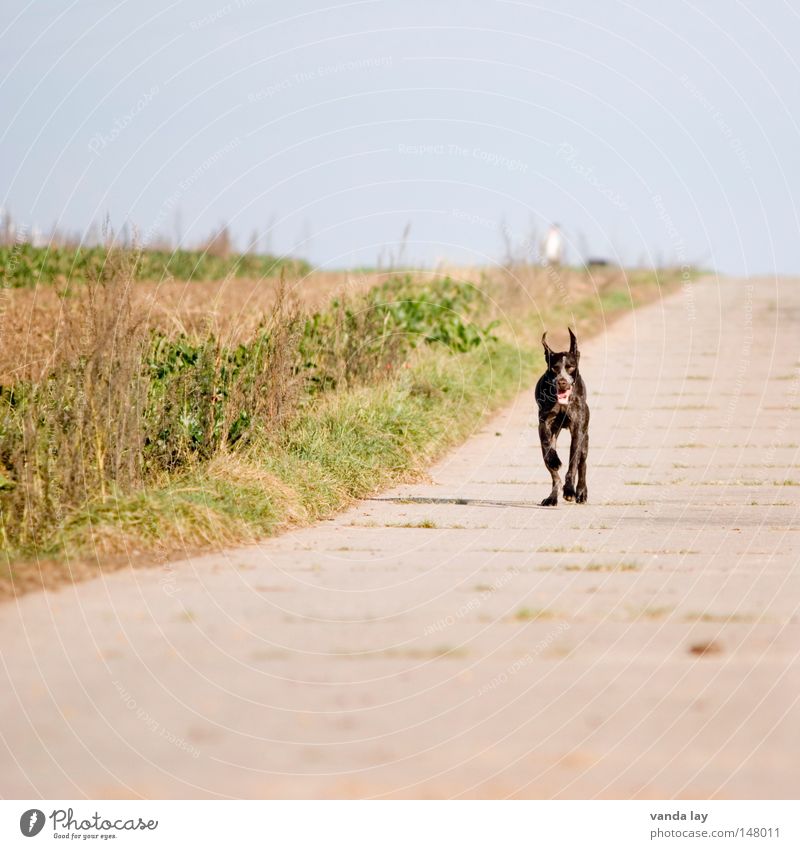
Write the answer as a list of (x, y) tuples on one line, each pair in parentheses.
[(32, 320), (120, 404), (76, 432)]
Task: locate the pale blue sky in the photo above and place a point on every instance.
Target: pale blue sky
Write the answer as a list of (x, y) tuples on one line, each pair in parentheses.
[(651, 131)]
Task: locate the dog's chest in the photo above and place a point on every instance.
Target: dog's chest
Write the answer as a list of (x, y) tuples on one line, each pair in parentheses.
[(557, 417)]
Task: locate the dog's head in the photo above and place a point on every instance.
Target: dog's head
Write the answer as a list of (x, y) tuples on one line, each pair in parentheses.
[(563, 367)]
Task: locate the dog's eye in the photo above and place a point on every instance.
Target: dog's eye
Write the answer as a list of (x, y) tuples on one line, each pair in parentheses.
[(570, 369)]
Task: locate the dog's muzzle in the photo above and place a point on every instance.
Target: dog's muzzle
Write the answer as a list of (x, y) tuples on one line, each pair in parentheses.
[(563, 393)]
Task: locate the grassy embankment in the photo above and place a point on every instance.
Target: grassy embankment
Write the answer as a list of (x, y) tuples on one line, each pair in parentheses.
[(140, 445)]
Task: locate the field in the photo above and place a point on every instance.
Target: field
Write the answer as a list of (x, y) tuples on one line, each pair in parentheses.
[(33, 321), (149, 418), (25, 266)]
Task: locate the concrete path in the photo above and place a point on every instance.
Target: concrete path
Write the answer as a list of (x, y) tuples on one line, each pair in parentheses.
[(451, 639)]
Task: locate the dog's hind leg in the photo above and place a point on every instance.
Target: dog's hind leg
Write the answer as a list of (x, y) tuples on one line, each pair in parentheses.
[(551, 460)]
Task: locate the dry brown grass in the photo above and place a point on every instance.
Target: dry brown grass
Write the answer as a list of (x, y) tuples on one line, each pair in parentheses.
[(111, 404), (36, 325), (89, 408)]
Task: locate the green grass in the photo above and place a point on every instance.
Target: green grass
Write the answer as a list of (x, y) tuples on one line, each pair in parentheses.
[(624, 566), (528, 614), (728, 618), (25, 266), (422, 523), (656, 612)]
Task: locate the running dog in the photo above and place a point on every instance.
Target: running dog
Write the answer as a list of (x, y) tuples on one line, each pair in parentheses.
[(561, 396)]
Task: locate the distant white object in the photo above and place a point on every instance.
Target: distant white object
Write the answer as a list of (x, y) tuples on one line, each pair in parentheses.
[(553, 246)]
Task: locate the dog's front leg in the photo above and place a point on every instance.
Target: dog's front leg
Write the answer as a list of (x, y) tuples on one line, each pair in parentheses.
[(582, 492), (551, 460), (575, 447)]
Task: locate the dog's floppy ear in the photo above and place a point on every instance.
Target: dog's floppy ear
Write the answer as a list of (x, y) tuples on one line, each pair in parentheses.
[(547, 352), (573, 343)]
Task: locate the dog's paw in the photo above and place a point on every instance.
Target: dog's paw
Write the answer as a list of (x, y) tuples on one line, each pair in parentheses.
[(569, 491), (581, 496), (550, 501), (551, 459)]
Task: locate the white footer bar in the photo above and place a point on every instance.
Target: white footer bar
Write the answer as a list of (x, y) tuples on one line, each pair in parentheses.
[(402, 824)]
